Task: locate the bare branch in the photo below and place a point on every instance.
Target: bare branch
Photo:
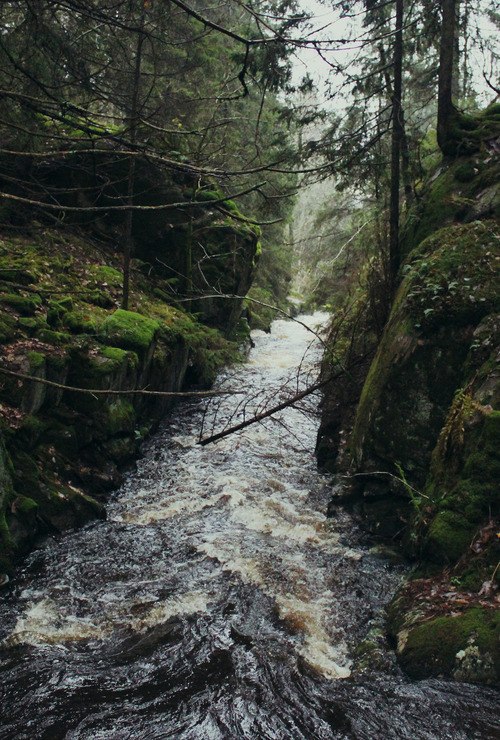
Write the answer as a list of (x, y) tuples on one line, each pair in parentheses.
[(105, 392), (265, 414)]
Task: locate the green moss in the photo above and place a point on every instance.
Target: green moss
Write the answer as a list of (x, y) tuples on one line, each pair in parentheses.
[(450, 196), (436, 647), (99, 368), (57, 310), (129, 330), (449, 536), (463, 486), (15, 274), (451, 280), (397, 344), (56, 362), (106, 274), (58, 338), (36, 360), (99, 298), (119, 417), (79, 322), (24, 306), (120, 356), (24, 504), (28, 324), (7, 328)]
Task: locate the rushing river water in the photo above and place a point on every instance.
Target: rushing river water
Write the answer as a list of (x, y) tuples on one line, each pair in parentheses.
[(218, 601)]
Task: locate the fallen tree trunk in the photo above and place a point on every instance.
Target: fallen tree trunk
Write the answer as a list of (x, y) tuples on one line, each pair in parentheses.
[(270, 412)]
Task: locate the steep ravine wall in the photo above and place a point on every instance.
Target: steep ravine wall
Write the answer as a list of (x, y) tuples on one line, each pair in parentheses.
[(64, 450), (422, 443)]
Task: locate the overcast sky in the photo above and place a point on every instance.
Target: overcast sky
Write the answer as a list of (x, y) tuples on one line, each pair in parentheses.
[(326, 24)]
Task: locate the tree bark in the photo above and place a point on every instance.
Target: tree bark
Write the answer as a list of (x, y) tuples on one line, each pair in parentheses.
[(446, 109), (397, 128), (134, 110), (405, 147)]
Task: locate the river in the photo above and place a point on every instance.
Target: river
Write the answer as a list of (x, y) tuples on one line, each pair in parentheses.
[(218, 601)]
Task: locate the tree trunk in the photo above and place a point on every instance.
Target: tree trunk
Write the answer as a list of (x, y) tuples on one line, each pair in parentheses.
[(394, 251), (445, 85), (405, 147), (134, 109)]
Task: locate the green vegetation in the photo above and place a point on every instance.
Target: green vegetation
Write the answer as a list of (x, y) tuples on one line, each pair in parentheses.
[(463, 646), (129, 330)]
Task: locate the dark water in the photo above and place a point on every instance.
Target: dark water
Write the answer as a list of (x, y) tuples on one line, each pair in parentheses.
[(218, 601)]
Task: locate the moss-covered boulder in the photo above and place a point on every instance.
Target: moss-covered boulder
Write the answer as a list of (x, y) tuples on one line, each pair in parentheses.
[(462, 488), (130, 330), (464, 646), (21, 304), (100, 367)]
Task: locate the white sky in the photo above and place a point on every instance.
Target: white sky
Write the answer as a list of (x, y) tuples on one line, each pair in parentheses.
[(327, 24)]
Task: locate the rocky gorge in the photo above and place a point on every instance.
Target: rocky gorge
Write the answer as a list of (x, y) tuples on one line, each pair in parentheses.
[(414, 428)]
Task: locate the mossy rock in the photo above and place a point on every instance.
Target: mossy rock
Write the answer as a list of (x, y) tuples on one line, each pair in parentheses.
[(121, 449), (36, 360), (119, 417), (100, 368), (108, 275), (21, 304), (99, 298), (129, 330), (57, 309), (24, 505), (28, 324), (80, 322), (448, 290), (449, 536), (65, 506), (465, 647), (57, 338), (463, 486), (451, 278), (15, 274), (26, 474), (452, 196), (8, 327)]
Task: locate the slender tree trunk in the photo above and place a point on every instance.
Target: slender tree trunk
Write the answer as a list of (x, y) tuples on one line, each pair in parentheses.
[(188, 263), (464, 31), (394, 247), (134, 109), (406, 163), (405, 147), (446, 66)]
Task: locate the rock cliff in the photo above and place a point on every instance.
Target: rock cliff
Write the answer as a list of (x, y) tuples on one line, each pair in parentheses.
[(420, 433)]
